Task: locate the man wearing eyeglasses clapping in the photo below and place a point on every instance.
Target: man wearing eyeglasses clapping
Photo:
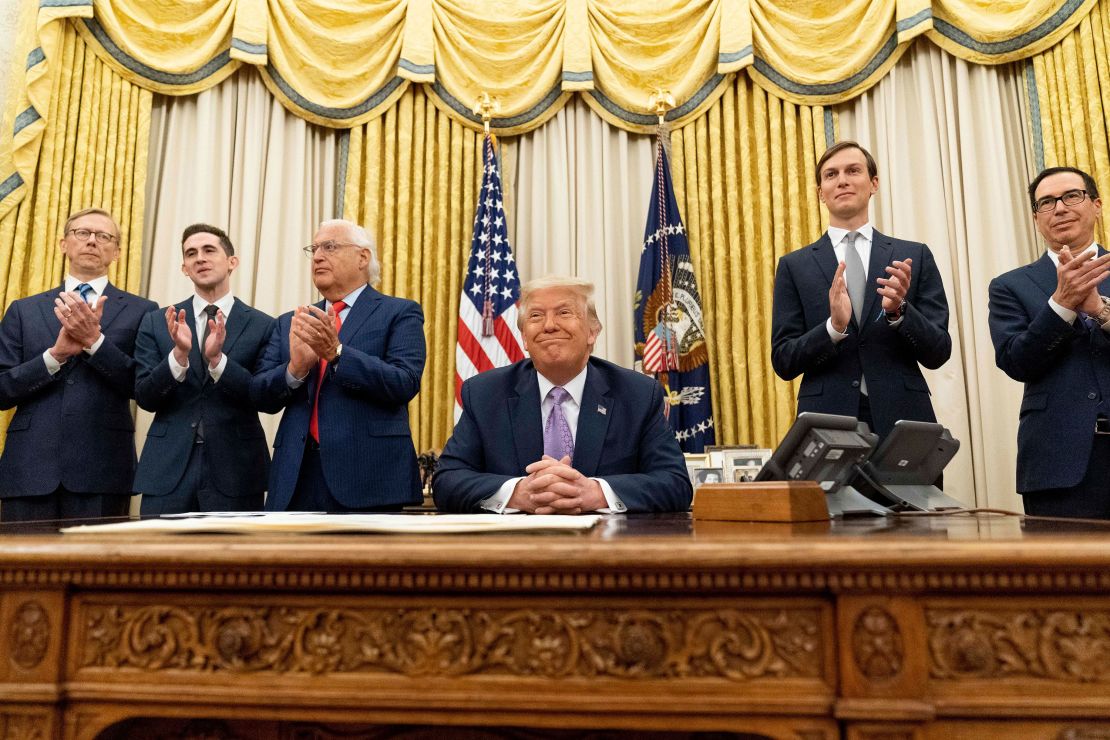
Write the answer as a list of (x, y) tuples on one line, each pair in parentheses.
[(66, 364), (344, 371), (1050, 324)]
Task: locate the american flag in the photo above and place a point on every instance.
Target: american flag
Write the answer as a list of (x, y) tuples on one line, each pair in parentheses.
[(488, 334)]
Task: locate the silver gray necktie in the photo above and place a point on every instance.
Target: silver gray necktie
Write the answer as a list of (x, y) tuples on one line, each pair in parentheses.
[(855, 274)]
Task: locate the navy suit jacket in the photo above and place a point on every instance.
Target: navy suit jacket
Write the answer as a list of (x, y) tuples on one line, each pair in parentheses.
[(73, 428), (887, 357), (235, 445), (1066, 371), (366, 445), (622, 437)]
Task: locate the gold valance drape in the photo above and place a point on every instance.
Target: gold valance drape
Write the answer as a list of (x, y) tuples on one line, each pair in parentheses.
[(342, 65)]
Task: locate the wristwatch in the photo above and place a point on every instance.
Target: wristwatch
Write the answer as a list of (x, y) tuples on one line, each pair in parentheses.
[(896, 313), (338, 352), (1104, 315)]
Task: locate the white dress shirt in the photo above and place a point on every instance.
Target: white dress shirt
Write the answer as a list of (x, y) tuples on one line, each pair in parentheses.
[(1068, 314), (839, 239), (571, 406), (199, 304), (348, 300), (99, 285)]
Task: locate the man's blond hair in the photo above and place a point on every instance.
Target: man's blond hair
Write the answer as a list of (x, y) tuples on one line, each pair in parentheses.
[(582, 287), (89, 212)]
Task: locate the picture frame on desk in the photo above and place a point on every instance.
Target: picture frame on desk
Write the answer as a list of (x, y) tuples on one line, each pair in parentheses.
[(717, 454), (708, 475), (742, 465), (695, 461)]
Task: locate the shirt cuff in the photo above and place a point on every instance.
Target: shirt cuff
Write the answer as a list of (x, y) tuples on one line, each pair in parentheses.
[(834, 335), (217, 371), (292, 381), (1065, 313), (616, 506), (496, 502), (177, 370), (897, 321), (52, 365), (90, 351)]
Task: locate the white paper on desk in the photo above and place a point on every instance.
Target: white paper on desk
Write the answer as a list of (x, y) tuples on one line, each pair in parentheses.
[(311, 523)]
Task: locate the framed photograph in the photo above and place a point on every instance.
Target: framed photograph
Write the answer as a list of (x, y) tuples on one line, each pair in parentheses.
[(694, 463), (708, 475), (742, 465), (718, 453)]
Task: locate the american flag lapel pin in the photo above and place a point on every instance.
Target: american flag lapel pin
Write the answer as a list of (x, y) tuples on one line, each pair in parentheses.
[(601, 409)]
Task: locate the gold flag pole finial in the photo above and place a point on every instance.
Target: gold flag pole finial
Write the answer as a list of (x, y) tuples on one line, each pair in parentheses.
[(486, 107), (661, 101)]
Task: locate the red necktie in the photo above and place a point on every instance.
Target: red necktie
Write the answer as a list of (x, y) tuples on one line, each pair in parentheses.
[(313, 422)]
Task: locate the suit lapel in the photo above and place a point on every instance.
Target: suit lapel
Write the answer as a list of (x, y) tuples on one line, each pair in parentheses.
[(365, 305), (525, 419), (593, 423), (1043, 274), (825, 256), (53, 326), (881, 249), (235, 323), (113, 306)]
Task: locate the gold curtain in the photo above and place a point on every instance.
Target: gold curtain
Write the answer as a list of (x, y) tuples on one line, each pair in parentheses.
[(93, 154), (413, 179), (744, 180), (1072, 92)]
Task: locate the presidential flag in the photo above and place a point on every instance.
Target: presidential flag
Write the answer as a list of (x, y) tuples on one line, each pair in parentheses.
[(488, 334), (669, 330)]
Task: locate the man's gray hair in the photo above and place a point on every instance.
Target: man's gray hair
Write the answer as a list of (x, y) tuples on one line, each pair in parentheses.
[(581, 286), (360, 236)]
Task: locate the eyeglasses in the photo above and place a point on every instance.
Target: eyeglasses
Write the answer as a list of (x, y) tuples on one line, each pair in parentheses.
[(1048, 203), (328, 247), (102, 237)]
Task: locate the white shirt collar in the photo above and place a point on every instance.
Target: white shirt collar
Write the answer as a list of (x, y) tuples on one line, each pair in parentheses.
[(98, 284), (576, 386), (224, 304), (837, 234), (348, 299), (1056, 258)]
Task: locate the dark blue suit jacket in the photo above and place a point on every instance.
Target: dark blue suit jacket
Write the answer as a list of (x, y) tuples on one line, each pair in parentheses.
[(630, 444), (365, 442), (888, 357), (1066, 371), (235, 445), (74, 428)]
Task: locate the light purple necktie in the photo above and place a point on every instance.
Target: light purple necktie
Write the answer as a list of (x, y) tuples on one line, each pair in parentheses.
[(557, 440)]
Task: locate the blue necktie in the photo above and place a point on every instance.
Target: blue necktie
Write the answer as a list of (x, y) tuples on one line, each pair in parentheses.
[(85, 290)]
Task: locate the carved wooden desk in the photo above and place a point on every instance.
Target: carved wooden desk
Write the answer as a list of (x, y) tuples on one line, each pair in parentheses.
[(930, 628)]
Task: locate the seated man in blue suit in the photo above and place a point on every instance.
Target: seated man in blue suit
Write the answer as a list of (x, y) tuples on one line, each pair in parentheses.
[(561, 432), (1050, 324), (856, 312), (205, 450), (344, 370), (66, 365)]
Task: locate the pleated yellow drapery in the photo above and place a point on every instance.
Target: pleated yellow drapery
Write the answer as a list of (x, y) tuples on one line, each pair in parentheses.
[(744, 180), (1073, 95), (413, 179), (94, 154)]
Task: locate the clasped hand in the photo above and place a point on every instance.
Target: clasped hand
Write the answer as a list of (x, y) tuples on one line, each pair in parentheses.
[(1077, 280), (312, 337), (80, 324), (892, 288), (554, 487)]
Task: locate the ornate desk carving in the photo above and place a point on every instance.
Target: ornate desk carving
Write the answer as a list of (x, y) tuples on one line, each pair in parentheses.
[(924, 629)]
